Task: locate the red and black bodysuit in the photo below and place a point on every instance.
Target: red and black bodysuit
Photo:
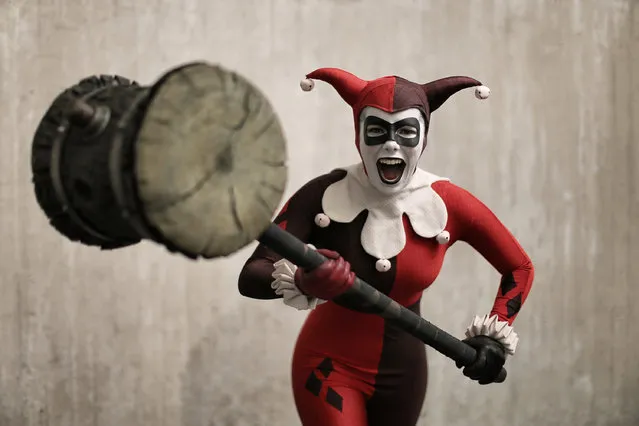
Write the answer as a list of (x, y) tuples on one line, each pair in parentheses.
[(393, 227)]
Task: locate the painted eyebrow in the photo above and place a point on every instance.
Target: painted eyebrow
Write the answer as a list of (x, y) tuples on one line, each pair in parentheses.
[(408, 121)]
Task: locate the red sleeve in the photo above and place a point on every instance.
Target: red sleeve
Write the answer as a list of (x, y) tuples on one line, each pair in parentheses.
[(474, 223), (297, 217)]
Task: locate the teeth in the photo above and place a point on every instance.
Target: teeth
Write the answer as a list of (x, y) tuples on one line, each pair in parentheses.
[(391, 161)]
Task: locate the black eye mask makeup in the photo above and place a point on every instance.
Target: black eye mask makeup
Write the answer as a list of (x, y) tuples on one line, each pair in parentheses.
[(405, 132)]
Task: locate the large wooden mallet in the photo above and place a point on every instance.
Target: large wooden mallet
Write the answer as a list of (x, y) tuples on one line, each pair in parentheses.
[(195, 162)]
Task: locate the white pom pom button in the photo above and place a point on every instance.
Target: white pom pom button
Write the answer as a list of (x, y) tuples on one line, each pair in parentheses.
[(443, 237), (383, 265), (307, 84), (482, 92), (322, 220)]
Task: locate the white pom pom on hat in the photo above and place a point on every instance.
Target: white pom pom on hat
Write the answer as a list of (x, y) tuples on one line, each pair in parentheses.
[(307, 84), (482, 92)]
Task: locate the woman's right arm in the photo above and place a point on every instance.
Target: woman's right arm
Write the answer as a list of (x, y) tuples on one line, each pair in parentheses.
[(297, 217)]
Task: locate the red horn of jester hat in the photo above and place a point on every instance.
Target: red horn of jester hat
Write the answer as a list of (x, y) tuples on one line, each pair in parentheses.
[(391, 93)]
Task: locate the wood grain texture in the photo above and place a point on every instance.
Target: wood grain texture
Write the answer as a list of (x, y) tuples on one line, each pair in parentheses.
[(137, 337), (210, 160)]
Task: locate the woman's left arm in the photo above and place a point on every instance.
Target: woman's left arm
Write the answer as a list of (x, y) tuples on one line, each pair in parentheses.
[(475, 224)]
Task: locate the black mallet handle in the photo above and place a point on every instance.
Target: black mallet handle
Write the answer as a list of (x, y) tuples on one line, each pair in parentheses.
[(362, 296)]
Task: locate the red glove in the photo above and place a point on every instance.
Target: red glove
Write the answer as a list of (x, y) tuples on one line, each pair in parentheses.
[(329, 280)]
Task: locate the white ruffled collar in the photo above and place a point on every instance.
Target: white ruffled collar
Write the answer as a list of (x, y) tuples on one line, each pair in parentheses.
[(383, 234)]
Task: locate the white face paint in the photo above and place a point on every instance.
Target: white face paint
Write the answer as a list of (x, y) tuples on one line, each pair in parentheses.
[(391, 145)]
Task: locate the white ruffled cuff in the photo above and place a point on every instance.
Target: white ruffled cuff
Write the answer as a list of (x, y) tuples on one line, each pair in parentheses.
[(499, 330), (284, 285)]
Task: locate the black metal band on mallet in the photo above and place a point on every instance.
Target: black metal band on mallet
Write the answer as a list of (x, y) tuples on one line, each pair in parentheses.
[(365, 296)]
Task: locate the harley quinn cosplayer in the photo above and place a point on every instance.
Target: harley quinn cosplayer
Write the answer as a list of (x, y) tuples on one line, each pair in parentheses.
[(390, 223)]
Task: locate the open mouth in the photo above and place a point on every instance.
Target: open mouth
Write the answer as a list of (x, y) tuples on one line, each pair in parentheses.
[(390, 169)]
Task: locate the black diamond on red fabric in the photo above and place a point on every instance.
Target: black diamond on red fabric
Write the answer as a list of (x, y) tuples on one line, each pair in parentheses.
[(513, 305), (334, 399), (313, 384), (507, 283), (325, 367)]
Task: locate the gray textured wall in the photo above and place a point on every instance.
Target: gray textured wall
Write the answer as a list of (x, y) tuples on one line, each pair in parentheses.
[(139, 337)]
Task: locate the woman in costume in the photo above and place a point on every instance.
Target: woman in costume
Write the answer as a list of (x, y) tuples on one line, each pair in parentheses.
[(390, 223)]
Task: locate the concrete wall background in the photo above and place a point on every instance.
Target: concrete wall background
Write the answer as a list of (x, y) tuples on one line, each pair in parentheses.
[(140, 337)]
